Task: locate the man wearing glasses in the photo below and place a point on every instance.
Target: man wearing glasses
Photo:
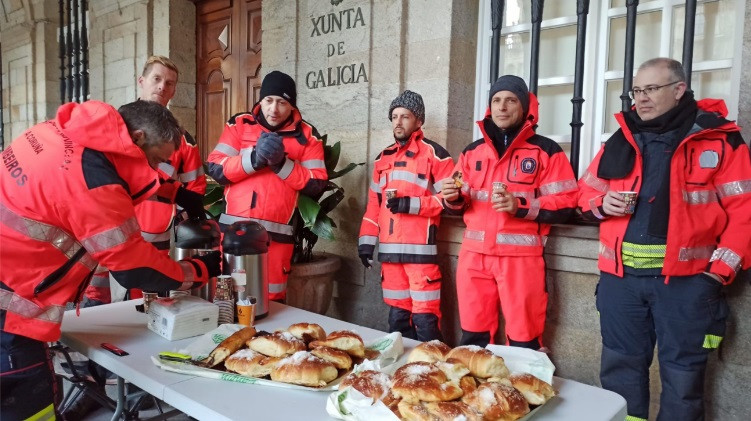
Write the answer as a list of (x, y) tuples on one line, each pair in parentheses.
[(664, 261)]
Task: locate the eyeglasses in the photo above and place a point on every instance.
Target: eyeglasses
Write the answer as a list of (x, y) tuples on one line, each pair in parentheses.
[(649, 90)]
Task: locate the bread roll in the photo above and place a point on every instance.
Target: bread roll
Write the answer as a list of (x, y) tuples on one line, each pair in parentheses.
[(250, 363), (373, 384), (497, 401), (348, 341), (535, 391), (339, 358), (421, 381), (305, 369), (437, 411), (228, 346), (277, 344), (430, 352), (313, 331), (481, 362)]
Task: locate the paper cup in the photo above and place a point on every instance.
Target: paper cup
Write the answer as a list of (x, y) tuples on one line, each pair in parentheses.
[(148, 298), (246, 314), (499, 185), (630, 198), (390, 193)]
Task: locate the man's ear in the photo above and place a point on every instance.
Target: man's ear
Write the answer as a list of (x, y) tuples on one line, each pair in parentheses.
[(680, 89), (139, 137)]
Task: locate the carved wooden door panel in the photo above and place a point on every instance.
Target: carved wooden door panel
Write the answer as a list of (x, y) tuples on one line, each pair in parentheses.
[(228, 64)]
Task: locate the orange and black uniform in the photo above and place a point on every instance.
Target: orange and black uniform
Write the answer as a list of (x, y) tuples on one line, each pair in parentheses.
[(268, 196), (67, 192), (693, 215), (407, 250), (500, 261)]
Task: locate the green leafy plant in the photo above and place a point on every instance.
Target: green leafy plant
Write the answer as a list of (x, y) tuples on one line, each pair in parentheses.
[(310, 220)]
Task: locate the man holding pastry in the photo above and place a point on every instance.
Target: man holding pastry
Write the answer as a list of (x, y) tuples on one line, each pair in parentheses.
[(514, 183), (403, 214)]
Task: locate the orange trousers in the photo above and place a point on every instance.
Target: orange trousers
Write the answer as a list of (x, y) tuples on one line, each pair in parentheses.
[(415, 287)]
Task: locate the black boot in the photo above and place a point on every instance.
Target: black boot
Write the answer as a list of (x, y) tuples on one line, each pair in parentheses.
[(426, 325), (81, 406), (400, 320), (534, 344), (481, 339)]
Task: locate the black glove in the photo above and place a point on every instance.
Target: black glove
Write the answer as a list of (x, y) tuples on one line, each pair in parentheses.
[(212, 260), (270, 148), (398, 204), (256, 161), (192, 202), (367, 260)]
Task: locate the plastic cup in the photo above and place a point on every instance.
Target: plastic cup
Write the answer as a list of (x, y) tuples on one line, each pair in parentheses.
[(630, 198), (246, 314), (390, 193)]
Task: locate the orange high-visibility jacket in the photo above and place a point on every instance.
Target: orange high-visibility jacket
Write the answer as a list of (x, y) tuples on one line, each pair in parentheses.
[(416, 170), (709, 224), (535, 170), (264, 196), (68, 187), (185, 167)]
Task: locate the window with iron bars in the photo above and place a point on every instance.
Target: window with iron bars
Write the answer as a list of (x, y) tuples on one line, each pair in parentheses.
[(73, 40)]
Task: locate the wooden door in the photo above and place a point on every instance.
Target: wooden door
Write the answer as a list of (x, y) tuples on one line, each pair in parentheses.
[(228, 64)]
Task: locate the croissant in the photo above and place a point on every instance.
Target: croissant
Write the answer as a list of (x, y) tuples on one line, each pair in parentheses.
[(437, 411), (339, 358), (421, 381), (535, 391), (305, 369), (347, 341), (481, 362), (313, 331), (430, 352), (497, 401), (250, 363), (277, 344), (228, 346), (373, 384)]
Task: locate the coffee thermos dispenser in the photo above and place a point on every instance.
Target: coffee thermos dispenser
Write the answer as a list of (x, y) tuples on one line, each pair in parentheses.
[(245, 250), (197, 237)]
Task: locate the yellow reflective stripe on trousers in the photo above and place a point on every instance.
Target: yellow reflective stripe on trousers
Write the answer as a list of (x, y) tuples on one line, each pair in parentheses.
[(643, 256), (633, 418), (712, 341), (45, 414)]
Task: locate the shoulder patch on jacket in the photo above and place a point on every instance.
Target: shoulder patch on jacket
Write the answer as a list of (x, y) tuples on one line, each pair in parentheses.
[(233, 120), (98, 171), (477, 143), (313, 129), (189, 138), (618, 157), (439, 150), (549, 146), (388, 151), (735, 140), (708, 120)]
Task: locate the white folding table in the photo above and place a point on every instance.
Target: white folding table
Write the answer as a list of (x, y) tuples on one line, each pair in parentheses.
[(209, 399)]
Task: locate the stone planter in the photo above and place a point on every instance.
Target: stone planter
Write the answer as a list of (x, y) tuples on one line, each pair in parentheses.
[(310, 285)]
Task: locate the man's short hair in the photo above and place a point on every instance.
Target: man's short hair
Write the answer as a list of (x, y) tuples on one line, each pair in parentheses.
[(164, 61), (674, 66), (156, 121)]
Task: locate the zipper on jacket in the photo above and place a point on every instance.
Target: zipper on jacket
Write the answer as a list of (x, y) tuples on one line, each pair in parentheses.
[(617, 255), (516, 163), (691, 161), (59, 273), (81, 289), (391, 226)]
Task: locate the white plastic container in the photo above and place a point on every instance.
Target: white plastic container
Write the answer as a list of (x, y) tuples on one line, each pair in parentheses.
[(182, 317)]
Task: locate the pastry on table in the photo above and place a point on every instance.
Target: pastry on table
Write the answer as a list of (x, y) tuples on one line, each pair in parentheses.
[(305, 369), (313, 331), (496, 401), (421, 381), (429, 352), (250, 363), (536, 391), (339, 358), (437, 411), (277, 344), (481, 362), (228, 346), (373, 384), (346, 340)]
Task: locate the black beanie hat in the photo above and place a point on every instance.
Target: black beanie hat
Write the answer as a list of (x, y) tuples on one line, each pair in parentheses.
[(513, 84), (279, 84), (411, 101)]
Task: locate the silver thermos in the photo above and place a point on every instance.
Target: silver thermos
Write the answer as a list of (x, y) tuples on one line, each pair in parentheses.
[(245, 251), (195, 237)]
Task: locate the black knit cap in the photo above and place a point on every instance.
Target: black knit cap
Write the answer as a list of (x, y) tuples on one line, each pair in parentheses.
[(411, 101), (513, 84), (279, 84)]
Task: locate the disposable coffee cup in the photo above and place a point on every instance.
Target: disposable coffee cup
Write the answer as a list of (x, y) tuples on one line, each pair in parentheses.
[(630, 198), (390, 193), (246, 313), (499, 185)]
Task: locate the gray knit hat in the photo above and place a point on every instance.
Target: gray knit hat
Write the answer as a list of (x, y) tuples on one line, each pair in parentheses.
[(411, 101), (513, 84)]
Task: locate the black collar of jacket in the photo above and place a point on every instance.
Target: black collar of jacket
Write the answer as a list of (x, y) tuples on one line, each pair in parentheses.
[(295, 132)]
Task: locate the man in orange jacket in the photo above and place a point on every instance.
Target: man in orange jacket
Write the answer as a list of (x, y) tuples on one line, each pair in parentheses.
[(515, 184), (267, 157), (664, 261), (67, 193), (405, 226), (184, 169)]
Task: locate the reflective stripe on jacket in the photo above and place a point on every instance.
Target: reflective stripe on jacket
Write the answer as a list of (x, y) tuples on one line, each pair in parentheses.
[(416, 170), (264, 194), (710, 198), (67, 191), (535, 170)]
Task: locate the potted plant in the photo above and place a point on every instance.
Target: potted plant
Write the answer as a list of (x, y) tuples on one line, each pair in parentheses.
[(310, 283)]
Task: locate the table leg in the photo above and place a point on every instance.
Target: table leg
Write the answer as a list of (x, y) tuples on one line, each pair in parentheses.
[(120, 399)]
